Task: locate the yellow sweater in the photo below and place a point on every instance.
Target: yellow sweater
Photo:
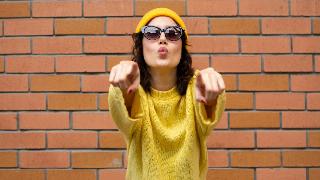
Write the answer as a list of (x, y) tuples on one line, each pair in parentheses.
[(165, 133)]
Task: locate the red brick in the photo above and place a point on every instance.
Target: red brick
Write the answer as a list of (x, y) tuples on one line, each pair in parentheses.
[(111, 140), (97, 121), (28, 27), (286, 26), (234, 26), (239, 101), (281, 173), (232, 173), (212, 8), (314, 139), (10, 174), (72, 101), (113, 60), (14, 45), (214, 45), (143, 6), (127, 24), (56, 8), (44, 120), (13, 83), (284, 101), (103, 102), (316, 26), (196, 25), (111, 44), (8, 159), (22, 101), (95, 83), (255, 159), (54, 83), (230, 82), (270, 44), (75, 139), (254, 120), (29, 64), (236, 64), (240, 139), (79, 26), (302, 120), (314, 173), (44, 159), (22, 140), (57, 45), (80, 64), (108, 8), (263, 7), (218, 159), (1, 28), (263, 82), (306, 44), (8, 121), (223, 123), (74, 174), (287, 63), (97, 159), (281, 139), (299, 158), (112, 174), (1, 64), (313, 101), (317, 63), (305, 8), (305, 83), (200, 61), (14, 9)]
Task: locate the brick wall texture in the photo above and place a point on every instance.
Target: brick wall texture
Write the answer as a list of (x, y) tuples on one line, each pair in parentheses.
[(55, 59)]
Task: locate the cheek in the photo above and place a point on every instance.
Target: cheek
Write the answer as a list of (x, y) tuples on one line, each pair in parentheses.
[(147, 49), (177, 52)]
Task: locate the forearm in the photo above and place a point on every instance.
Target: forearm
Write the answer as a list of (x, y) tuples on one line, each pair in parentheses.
[(210, 109), (128, 99)]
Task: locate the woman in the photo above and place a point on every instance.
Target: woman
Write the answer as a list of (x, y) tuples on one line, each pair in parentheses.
[(163, 108)]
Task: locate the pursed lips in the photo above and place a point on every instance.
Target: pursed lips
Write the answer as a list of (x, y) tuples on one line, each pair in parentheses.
[(162, 50)]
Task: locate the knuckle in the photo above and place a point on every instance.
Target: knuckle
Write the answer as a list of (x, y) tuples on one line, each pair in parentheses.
[(121, 80), (212, 90)]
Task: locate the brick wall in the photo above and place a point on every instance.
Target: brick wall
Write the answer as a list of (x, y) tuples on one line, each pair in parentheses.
[(55, 58)]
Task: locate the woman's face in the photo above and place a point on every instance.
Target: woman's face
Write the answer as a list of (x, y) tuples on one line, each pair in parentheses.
[(162, 53)]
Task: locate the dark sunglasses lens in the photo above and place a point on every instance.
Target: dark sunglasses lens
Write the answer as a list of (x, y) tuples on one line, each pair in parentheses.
[(151, 33), (173, 33)]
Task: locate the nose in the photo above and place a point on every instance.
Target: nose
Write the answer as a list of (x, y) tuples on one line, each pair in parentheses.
[(162, 39)]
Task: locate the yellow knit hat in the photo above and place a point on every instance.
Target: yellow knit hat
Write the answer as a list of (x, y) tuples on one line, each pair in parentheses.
[(161, 12)]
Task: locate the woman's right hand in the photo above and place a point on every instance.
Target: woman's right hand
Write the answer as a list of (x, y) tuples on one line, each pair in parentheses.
[(126, 76)]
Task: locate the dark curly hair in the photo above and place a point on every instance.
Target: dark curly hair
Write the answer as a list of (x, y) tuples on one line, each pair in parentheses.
[(184, 68)]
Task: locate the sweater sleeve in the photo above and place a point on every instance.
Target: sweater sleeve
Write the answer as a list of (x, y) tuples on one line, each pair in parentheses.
[(207, 124), (120, 115)]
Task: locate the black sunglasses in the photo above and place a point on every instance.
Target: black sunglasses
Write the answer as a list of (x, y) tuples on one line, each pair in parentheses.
[(172, 33)]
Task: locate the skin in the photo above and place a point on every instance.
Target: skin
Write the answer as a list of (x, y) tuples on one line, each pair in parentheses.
[(126, 75), (162, 69)]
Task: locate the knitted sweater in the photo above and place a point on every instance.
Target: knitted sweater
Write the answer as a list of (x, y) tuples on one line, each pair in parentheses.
[(165, 133)]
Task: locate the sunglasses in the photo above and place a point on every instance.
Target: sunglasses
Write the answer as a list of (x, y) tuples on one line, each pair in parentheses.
[(172, 33)]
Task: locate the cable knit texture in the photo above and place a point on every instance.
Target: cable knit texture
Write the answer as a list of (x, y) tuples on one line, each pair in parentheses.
[(165, 133)]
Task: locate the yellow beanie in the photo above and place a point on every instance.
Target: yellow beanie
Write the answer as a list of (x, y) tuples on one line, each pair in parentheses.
[(161, 12)]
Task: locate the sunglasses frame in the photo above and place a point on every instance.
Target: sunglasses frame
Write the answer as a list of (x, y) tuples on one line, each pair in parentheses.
[(164, 31)]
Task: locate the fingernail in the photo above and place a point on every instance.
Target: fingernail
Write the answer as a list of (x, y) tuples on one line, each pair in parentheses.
[(129, 91)]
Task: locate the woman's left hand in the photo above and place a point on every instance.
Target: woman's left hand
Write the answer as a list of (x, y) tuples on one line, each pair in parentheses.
[(209, 84)]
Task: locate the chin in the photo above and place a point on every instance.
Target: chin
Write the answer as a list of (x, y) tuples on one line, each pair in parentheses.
[(167, 63)]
